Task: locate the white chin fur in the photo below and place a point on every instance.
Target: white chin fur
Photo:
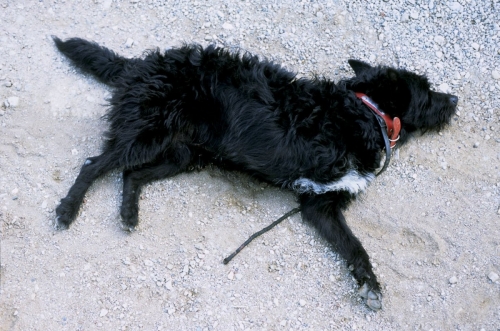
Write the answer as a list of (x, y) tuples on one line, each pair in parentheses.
[(352, 182)]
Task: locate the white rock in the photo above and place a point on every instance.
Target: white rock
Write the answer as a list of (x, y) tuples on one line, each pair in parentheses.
[(440, 40), (493, 276), (103, 313), (475, 46), (495, 74), (302, 303), (445, 88), (12, 102), (455, 6), (230, 276), (414, 15), (106, 4), (129, 43), (148, 263), (453, 280), (228, 26)]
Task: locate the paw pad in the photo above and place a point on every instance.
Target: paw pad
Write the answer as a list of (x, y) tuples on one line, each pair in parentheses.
[(372, 298)]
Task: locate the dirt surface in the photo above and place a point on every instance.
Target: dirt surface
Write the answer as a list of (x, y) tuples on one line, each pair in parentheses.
[(430, 223)]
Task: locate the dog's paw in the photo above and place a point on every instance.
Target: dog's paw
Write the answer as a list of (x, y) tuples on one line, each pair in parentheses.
[(127, 228), (130, 218), (65, 214), (372, 298), (59, 224)]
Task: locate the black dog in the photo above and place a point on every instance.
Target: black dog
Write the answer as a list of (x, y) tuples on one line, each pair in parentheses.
[(192, 106)]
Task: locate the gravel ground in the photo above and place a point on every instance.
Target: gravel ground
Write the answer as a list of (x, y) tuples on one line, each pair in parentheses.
[(430, 223)]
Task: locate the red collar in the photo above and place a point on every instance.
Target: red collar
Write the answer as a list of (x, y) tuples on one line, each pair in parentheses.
[(393, 124)]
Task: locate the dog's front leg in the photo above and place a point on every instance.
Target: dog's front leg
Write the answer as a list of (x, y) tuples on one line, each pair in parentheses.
[(324, 211)]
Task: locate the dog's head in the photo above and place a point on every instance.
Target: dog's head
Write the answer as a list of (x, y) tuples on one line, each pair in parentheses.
[(406, 95)]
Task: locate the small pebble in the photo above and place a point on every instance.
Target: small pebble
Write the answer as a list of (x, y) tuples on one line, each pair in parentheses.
[(129, 43), (476, 145), (230, 276), (453, 280), (445, 88), (302, 303), (103, 313), (12, 102), (495, 74), (440, 40), (493, 276), (455, 6), (148, 263)]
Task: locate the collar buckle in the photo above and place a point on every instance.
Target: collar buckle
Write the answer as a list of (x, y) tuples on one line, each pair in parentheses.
[(393, 125)]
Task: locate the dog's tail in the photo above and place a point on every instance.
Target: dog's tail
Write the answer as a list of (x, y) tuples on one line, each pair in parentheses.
[(99, 61)]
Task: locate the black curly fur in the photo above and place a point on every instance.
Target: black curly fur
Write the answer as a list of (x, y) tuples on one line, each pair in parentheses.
[(192, 105)]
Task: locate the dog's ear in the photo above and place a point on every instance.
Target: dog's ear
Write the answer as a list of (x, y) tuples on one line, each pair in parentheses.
[(359, 66)]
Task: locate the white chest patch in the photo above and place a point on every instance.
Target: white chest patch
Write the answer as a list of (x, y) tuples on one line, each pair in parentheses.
[(352, 182)]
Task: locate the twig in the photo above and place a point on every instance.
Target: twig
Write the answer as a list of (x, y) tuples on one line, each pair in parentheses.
[(264, 230)]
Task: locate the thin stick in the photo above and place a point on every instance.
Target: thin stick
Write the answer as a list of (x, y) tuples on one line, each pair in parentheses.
[(264, 230)]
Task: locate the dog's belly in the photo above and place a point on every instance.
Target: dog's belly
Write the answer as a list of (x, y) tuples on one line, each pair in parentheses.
[(353, 182)]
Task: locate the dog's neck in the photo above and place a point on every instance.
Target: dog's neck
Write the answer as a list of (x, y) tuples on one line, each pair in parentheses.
[(390, 127), (393, 125)]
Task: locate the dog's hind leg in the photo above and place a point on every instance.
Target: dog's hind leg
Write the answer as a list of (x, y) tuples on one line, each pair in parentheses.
[(324, 211), (134, 178), (92, 168)]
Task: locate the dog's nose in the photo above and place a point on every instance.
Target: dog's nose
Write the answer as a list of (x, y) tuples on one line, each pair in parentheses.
[(454, 99)]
